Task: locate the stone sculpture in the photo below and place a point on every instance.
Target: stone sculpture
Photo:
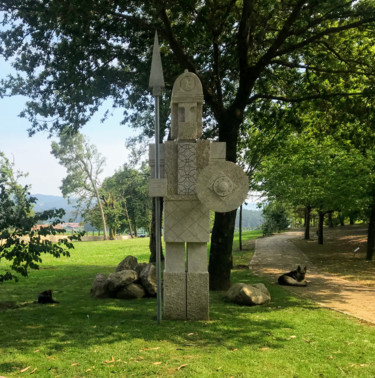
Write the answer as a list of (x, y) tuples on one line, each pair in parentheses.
[(195, 178)]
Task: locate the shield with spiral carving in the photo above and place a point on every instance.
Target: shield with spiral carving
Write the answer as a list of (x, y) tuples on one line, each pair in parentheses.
[(222, 186)]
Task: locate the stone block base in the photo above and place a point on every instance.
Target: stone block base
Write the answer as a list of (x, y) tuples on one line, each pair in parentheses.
[(186, 296), (174, 296), (197, 296)]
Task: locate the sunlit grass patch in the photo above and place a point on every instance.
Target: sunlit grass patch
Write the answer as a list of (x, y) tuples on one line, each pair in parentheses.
[(84, 336)]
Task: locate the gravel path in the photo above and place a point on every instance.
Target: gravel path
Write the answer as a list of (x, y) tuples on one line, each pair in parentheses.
[(277, 254)]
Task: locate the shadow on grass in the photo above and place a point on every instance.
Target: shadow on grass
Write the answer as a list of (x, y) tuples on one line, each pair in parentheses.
[(80, 321)]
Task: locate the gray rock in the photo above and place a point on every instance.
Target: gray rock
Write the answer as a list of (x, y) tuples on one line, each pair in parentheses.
[(248, 295), (140, 267), (131, 291), (99, 286), (148, 279), (262, 287), (129, 263), (118, 280)]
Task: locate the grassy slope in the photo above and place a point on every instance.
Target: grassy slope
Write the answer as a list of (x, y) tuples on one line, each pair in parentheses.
[(83, 336)]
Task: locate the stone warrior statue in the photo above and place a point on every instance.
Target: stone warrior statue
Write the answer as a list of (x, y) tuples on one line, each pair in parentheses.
[(195, 178)]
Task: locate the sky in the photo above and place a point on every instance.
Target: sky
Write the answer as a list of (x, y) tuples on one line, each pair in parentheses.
[(32, 154)]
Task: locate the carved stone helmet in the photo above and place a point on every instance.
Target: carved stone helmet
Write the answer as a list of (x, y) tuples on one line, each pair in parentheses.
[(186, 107)]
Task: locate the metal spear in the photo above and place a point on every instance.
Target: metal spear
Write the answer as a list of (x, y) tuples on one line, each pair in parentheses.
[(156, 83)]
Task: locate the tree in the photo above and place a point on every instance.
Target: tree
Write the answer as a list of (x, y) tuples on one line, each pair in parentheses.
[(247, 54), (125, 195), (84, 164), (316, 174), (113, 212), (19, 242), (275, 218), (351, 123)]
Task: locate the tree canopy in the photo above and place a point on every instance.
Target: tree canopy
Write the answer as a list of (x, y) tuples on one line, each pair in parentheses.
[(250, 56)]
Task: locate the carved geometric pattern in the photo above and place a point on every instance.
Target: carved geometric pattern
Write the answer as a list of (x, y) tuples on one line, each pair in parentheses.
[(186, 221), (223, 186), (187, 168)]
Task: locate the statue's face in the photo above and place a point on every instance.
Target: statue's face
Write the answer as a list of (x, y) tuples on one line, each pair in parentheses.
[(187, 113), (187, 121)]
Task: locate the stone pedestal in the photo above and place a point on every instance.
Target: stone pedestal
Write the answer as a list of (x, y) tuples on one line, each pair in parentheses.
[(197, 306), (174, 300), (186, 296)]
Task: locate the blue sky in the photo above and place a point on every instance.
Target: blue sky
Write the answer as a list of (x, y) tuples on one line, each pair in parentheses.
[(32, 155)]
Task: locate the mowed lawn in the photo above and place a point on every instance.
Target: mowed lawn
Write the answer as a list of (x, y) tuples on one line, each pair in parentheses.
[(84, 336)]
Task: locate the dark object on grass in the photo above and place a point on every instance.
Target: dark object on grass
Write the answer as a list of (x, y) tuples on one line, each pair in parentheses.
[(46, 297), (294, 278)]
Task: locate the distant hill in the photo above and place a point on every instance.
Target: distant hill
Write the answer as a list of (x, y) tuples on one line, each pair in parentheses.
[(251, 219), (47, 202)]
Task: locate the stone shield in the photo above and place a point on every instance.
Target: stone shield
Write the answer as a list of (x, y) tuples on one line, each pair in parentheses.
[(222, 186)]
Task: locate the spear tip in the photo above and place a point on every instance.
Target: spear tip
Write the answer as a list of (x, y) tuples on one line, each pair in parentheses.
[(156, 75)]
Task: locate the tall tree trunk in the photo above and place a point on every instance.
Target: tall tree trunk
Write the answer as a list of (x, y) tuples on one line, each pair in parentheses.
[(307, 222), (371, 232), (330, 220), (341, 219), (112, 234), (240, 228), (152, 244), (320, 227), (128, 219), (351, 221), (101, 211), (221, 260)]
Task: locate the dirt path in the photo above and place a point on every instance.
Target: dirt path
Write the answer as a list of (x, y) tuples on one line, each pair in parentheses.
[(277, 254)]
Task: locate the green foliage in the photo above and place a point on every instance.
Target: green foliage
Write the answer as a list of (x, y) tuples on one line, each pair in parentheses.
[(74, 55), (125, 199), (275, 218), (321, 174), (20, 244)]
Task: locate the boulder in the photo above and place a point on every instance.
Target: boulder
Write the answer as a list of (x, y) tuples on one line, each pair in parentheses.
[(131, 291), (99, 286), (248, 295), (129, 263), (118, 280), (140, 267), (147, 278)]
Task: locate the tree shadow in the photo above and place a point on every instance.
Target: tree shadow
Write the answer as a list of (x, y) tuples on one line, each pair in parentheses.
[(80, 321)]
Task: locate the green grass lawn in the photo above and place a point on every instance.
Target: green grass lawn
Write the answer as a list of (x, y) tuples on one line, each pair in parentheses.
[(83, 336)]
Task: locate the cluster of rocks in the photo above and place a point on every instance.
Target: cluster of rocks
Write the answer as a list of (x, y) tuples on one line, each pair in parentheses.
[(248, 295), (129, 281)]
